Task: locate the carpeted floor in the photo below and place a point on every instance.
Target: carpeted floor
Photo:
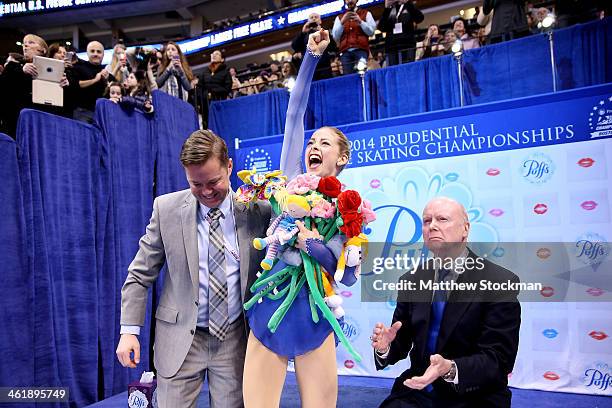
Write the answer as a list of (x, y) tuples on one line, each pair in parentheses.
[(368, 392)]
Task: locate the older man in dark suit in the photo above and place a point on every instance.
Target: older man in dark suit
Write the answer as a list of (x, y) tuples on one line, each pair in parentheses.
[(462, 344)]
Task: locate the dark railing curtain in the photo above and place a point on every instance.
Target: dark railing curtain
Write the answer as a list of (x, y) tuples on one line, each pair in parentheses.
[(76, 200)]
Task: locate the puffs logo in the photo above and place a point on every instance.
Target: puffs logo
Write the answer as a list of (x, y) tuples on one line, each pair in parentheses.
[(598, 377), (591, 248), (137, 400), (537, 168), (350, 328)]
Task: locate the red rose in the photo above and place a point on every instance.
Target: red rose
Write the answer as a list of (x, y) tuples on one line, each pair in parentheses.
[(348, 205), (330, 186)]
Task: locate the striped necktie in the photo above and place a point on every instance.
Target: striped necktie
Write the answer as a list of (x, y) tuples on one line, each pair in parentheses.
[(218, 320)]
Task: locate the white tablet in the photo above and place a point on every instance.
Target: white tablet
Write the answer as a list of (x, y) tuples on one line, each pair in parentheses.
[(49, 69)]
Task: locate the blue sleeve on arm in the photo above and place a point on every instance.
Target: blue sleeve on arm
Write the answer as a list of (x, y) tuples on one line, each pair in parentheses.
[(293, 140), (322, 254), (349, 278)]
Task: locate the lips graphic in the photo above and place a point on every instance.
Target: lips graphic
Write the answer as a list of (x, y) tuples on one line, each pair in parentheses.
[(595, 291), (349, 364), (550, 333), (499, 252), (346, 293), (543, 253), (589, 205), (452, 176), (598, 335), (496, 212), (493, 172), (375, 183), (586, 162), (540, 208), (547, 291), (549, 375)]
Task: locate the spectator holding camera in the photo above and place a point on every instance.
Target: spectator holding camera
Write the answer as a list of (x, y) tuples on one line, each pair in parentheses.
[(92, 79), (431, 46), (119, 68), (351, 31), (313, 24), (174, 75), (398, 22), (16, 84)]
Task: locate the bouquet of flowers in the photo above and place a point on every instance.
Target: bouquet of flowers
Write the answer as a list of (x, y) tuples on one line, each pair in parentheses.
[(318, 202)]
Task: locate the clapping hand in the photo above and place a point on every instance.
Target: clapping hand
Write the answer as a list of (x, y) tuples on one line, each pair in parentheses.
[(383, 336), (438, 367)]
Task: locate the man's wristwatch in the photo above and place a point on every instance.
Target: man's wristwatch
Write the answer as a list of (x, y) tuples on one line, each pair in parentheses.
[(451, 373)]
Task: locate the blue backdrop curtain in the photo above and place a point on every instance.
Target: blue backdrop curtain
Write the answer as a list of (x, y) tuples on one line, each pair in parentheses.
[(130, 156), (175, 120), (421, 86), (17, 295), (76, 200), (584, 54), (496, 72), (252, 116), (59, 168), (334, 102)]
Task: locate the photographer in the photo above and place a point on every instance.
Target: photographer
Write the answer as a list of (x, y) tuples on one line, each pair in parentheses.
[(174, 75), (398, 21), (351, 31), (313, 24), (146, 60)]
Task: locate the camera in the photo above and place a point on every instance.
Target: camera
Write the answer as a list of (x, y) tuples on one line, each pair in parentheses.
[(144, 57)]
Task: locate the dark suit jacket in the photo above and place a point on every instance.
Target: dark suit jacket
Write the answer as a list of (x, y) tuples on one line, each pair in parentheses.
[(478, 332), (409, 16)]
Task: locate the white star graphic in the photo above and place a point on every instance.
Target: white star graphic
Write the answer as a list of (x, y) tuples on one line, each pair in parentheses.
[(610, 99), (601, 102), (281, 20)]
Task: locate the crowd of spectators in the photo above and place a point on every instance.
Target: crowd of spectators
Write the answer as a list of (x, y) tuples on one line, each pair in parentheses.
[(358, 41)]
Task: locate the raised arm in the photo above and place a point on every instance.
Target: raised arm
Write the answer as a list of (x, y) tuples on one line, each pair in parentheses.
[(293, 140)]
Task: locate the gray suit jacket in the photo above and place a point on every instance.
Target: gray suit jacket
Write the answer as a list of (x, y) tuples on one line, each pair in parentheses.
[(171, 238)]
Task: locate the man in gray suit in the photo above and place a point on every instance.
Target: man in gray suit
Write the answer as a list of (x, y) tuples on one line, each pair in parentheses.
[(204, 236)]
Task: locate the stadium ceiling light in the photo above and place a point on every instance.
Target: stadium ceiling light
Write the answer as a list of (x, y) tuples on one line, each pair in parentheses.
[(19, 43), (68, 43)]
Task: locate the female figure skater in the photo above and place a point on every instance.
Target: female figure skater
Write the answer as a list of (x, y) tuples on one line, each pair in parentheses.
[(311, 345)]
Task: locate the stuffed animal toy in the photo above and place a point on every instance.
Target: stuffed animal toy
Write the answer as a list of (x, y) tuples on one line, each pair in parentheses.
[(283, 229), (351, 256)]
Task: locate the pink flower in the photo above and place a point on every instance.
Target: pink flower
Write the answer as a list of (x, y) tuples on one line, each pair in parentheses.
[(366, 211), (323, 209), (303, 183)]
